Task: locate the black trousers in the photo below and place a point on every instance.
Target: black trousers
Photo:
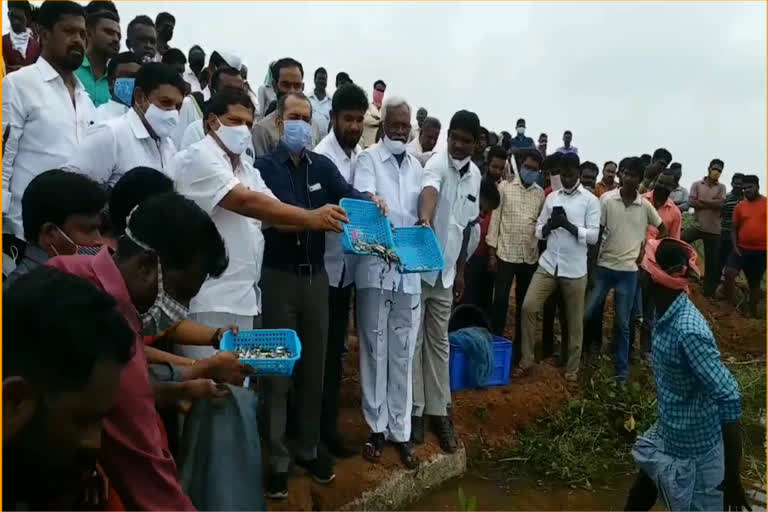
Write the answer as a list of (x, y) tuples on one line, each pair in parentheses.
[(479, 285), (712, 266), (521, 274), (338, 323)]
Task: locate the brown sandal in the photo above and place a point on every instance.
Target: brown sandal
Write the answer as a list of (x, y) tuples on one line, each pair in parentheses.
[(373, 448)]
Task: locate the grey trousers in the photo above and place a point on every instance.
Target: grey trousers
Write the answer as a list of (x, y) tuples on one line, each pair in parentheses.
[(431, 381), (388, 326), (542, 286), (300, 303)]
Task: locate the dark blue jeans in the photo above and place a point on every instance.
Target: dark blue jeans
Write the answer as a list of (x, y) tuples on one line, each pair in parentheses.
[(624, 283)]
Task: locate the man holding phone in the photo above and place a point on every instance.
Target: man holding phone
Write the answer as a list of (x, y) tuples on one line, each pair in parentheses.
[(569, 222)]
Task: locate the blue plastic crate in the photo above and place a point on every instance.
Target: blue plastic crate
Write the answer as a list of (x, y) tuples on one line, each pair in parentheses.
[(502, 364), (418, 250), (367, 223), (267, 338)]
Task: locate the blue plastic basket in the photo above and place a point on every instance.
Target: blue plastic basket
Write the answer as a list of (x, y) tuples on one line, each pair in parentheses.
[(266, 338), (502, 364), (367, 223), (418, 250)]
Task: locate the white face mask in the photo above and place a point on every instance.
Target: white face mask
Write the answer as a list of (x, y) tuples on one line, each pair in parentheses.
[(521, 130), (396, 147), (556, 183), (163, 122), (234, 138), (460, 163)]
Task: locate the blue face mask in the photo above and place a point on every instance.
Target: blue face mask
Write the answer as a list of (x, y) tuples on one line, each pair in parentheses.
[(528, 176), (297, 135), (124, 90)]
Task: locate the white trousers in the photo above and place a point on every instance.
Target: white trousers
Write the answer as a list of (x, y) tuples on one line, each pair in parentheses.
[(388, 324)]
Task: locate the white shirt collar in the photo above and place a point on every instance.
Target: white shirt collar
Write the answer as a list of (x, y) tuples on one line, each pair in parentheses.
[(336, 148), (136, 124)]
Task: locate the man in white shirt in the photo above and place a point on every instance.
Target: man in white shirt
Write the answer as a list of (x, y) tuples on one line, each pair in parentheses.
[(207, 172), (196, 63), (422, 147), (251, 93), (121, 76), (140, 138), (321, 103), (421, 116), (46, 111), (388, 302), (190, 128), (450, 199), (341, 147), (373, 115), (141, 38), (569, 222)]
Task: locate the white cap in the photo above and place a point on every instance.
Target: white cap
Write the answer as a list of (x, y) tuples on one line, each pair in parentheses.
[(231, 58)]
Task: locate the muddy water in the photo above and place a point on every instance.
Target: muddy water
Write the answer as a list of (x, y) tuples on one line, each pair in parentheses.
[(494, 490)]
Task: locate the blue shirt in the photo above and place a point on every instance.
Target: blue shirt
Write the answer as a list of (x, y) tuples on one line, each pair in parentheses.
[(521, 141), (314, 183), (696, 393)]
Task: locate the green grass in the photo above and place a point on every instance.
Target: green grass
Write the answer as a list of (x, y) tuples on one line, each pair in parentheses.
[(590, 440)]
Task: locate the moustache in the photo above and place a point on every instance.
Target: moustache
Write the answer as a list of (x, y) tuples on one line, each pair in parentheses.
[(76, 48)]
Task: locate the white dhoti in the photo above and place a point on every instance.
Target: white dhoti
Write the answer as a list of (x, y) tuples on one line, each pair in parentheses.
[(388, 325)]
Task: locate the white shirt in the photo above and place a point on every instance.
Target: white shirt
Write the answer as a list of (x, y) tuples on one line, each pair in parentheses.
[(376, 171), (194, 133), (191, 79), (415, 149), (458, 204), (321, 112), (45, 129), (189, 113), (204, 174), (336, 262), (566, 255), (113, 148), (110, 110)]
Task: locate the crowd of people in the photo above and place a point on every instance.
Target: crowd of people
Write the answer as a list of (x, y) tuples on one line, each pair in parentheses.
[(152, 202)]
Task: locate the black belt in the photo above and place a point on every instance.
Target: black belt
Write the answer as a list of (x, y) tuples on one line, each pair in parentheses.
[(301, 269)]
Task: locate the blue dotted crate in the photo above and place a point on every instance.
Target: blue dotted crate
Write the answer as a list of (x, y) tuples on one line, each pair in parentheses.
[(267, 338), (502, 365), (367, 223), (418, 250)]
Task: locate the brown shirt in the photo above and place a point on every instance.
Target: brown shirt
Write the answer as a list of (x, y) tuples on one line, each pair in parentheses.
[(707, 219)]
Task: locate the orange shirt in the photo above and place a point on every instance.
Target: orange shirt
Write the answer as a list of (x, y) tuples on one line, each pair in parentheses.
[(601, 188), (750, 217), (670, 215)]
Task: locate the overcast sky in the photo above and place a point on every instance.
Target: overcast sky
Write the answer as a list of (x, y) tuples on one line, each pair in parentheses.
[(625, 77)]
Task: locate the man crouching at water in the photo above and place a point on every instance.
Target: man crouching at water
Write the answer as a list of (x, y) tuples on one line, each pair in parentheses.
[(692, 454)]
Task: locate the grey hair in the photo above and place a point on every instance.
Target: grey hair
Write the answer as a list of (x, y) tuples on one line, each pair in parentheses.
[(281, 102), (393, 102)]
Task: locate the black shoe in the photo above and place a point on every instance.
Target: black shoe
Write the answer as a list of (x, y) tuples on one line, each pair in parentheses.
[(320, 468), (338, 448), (407, 455), (417, 429), (444, 429), (277, 486)]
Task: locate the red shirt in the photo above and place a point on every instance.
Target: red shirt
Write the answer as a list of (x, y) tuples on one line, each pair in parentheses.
[(482, 247), (12, 57), (750, 216), (134, 454)]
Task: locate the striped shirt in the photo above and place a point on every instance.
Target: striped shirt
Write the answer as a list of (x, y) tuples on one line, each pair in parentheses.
[(731, 200), (696, 393)]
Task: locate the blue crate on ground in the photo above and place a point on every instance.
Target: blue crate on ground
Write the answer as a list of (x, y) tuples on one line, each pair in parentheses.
[(502, 363), (367, 223), (266, 338), (418, 250)]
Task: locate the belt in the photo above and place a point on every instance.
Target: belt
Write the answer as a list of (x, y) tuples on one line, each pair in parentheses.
[(300, 269)]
